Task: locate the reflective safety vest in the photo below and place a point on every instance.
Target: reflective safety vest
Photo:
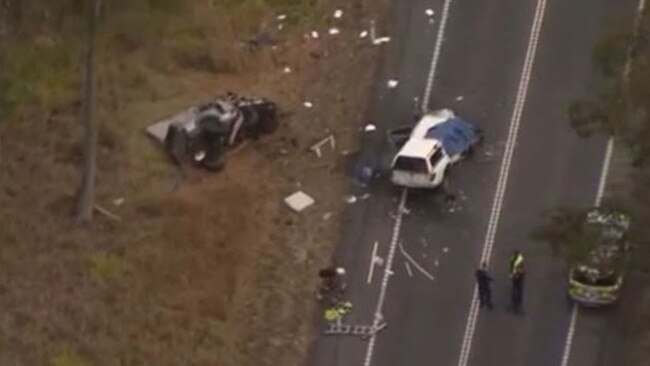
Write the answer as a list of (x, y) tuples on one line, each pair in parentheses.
[(516, 262), (337, 310)]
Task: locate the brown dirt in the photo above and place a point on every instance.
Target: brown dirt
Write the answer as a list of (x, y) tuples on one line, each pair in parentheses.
[(217, 272)]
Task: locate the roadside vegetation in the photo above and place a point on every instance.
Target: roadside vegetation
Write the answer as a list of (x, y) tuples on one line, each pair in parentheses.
[(619, 108), (193, 268)]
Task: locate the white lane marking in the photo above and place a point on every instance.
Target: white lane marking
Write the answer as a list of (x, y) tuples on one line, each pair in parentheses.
[(416, 264), (373, 260), (603, 179), (436, 55), (387, 272), (504, 172), (400, 211)]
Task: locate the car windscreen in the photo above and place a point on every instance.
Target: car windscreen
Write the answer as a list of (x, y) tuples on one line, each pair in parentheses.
[(411, 164)]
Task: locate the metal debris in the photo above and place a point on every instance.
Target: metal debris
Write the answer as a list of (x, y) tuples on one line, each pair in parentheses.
[(314, 35), (118, 201), (338, 13), (334, 31), (363, 34), (459, 98), (445, 250), (408, 268), (429, 12), (392, 83), (287, 70), (381, 40), (281, 17), (308, 104), (351, 199), (413, 262), (405, 211), (316, 148)]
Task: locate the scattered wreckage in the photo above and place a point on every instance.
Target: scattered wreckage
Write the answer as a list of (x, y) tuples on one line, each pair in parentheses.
[(439, 140), (597, 277), (201, 135)]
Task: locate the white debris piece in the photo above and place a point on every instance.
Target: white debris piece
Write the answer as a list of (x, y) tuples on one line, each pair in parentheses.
[(436, 263), (392, 83), (429, 12), (459, 98), (299, 201), (308, 104), (327, 216), (351, 199), (370, 127), (338, 13), (445, 250), (409, 271), (334, 31), (381, 40), (364, 196), (287, 70), (118, 201), (363, 34), (405, 211), (314, 34), (281, 17)]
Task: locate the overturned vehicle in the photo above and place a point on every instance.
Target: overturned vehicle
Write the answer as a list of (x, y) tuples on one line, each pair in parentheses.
[(597, 277), (201, 135)]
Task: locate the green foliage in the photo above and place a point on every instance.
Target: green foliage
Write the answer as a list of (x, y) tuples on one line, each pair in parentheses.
[(65, 356), (563, 230), (46, 70)]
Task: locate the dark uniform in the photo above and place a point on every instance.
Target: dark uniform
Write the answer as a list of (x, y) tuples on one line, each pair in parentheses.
[(517, 279), (483, 280)]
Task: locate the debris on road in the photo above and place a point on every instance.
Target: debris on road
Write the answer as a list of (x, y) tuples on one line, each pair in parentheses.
[(429, 12), (327, 216), (370, 127), (338, 13), (445, 250), (381, 40), (299, 201), (314, 35), (392, 83), (363, 34), (416, 264), (107, 213), (334, 31), (351, 199), (286, 70), (308, 104), (118, 201), (281, 17), (405, 211), (364, 196), (409, 271), (459, 98), (316, 148)]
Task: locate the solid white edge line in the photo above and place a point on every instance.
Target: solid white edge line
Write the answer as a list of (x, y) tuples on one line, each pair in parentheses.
[(601, 187), (400, 211), (504, 171)]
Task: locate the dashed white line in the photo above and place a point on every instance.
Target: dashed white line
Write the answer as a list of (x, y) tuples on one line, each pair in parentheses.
[(504, 172), (568, 343), (401, 209), (436, 55)]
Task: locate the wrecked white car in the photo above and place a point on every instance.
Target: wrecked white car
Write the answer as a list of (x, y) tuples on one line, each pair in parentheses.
[(438, 140), (202, 134)]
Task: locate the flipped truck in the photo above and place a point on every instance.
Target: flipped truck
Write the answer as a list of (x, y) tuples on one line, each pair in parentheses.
[(439, 140), (597, 277), (202, 135)]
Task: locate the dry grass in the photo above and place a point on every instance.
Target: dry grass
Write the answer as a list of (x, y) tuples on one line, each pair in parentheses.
[(217, 272)]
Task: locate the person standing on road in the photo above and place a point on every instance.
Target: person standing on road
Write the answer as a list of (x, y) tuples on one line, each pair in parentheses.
[(483, 280), (516, 260), (517, 295)]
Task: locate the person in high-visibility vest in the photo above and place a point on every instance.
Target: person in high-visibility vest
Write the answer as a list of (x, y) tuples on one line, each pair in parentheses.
[(337, 311), (516, 261)]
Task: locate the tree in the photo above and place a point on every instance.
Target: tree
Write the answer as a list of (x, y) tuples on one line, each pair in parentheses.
[(87, 190)]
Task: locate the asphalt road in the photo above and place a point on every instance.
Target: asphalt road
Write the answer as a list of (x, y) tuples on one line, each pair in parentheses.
[(478, 75)]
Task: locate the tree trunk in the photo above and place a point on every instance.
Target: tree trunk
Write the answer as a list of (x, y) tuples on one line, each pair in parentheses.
[(87, 192)]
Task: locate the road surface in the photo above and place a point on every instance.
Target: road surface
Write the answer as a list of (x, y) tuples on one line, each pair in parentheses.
[(510, 66)]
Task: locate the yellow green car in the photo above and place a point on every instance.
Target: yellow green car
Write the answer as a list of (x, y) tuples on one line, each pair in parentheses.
[(597, 277)]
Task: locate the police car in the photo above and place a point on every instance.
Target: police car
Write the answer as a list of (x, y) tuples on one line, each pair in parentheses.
[(438, 141)]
